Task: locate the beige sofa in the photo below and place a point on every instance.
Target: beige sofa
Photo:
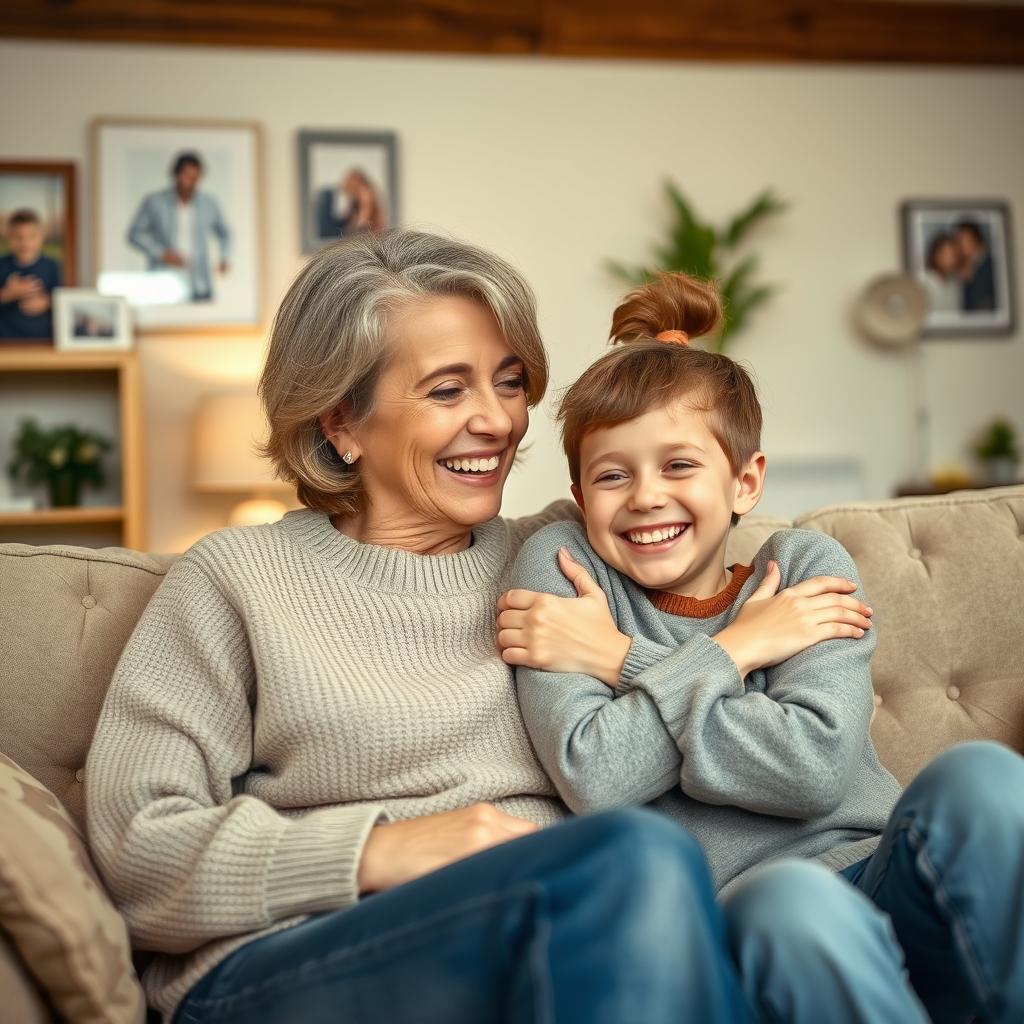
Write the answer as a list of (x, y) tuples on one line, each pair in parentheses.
[(945, 576)]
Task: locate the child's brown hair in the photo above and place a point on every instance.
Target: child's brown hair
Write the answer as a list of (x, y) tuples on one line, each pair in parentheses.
[(646, 373)]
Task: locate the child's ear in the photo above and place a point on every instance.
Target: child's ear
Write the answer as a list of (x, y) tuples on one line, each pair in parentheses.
[(749, 485), (577, 495), (335, 426)]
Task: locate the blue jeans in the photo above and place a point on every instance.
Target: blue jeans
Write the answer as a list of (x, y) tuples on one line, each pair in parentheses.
[(932, 926), (605, 919)]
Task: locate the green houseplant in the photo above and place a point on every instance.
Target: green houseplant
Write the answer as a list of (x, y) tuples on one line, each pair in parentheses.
[(702, 250), (62, 457), (997, 450)]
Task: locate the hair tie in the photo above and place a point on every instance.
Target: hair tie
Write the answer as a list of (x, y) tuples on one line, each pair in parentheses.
[(673, 337)]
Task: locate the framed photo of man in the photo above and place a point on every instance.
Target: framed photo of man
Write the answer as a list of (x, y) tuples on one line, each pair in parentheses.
[(348, 181), (962, 253), (177, 215), (37, 246)]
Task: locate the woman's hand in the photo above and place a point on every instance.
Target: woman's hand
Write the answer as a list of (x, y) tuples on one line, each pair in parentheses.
[(403, 850), (563, 634), (774, 625)]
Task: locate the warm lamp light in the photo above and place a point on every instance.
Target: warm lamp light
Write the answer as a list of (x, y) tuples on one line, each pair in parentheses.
[(227, 427)]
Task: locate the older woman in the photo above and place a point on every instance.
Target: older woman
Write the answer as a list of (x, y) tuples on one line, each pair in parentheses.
[(315, 711)]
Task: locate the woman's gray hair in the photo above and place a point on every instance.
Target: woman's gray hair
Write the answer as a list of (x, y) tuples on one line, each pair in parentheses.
[(329, 343)]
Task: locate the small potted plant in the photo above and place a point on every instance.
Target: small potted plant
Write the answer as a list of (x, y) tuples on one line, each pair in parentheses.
[(62, 457), (997, 450)]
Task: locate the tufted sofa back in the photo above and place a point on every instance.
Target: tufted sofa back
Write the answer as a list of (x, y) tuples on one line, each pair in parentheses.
[(944, 575)]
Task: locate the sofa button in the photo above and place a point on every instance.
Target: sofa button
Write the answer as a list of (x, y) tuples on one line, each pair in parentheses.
[(878, 700), (914, 552), (953, 692), (80, 775), (89, 601)]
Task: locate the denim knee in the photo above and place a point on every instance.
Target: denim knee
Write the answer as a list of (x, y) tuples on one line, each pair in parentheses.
[(973, 778), (801, 909), (643, 838)]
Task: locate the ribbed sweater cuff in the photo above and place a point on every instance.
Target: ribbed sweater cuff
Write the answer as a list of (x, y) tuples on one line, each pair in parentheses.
[(670, 679), (316, 864), (642, 655)]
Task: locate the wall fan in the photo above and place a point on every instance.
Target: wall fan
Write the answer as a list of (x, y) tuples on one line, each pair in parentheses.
[(890, 312)]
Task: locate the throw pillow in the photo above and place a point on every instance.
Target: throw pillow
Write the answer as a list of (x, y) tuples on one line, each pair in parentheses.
[(55, 910)]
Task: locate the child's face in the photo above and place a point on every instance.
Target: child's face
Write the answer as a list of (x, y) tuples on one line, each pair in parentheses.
[(26, 241), (664, 471)]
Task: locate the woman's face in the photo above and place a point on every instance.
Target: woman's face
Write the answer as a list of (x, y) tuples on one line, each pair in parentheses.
[(449, 412), (946, 258)]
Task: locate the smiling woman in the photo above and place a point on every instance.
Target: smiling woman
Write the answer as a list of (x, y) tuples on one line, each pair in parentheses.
[(313, 711)]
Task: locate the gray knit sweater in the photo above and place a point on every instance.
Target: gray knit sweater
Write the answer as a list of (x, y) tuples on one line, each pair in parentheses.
[(778, 765), (286, 689)]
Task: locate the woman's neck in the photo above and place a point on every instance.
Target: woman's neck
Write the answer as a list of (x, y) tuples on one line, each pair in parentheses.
[(419, 538)]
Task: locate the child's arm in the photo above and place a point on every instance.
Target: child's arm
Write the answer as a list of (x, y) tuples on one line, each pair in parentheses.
[(791, 750), (788, 752), (600, 751)]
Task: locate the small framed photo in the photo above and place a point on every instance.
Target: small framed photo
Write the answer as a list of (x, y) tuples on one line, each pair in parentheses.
[(37, 246), (962, 253), (86, 320), (177, 215), (348, 181)]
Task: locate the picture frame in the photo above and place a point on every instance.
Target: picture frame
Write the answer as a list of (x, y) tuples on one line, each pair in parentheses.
[(348, 181), (38, 245), (87, 321), (961, 251), (178, 221)]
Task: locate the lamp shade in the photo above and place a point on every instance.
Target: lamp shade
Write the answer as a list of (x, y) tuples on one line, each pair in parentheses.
[(227, 426)]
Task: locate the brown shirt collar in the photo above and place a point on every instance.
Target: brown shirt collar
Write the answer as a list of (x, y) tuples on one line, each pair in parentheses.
[(701, 608)]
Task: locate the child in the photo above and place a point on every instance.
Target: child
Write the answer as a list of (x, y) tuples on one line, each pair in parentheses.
[(735, 698), (27, 278)]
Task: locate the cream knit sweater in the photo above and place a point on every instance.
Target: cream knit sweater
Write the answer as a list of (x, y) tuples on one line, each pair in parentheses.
[(286, 689)]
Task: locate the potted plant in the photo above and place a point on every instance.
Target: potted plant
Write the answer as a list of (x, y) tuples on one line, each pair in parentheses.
[(62, 457), (998, 452)]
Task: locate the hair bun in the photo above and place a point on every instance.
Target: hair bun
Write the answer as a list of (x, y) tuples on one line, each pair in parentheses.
[(672, 304)]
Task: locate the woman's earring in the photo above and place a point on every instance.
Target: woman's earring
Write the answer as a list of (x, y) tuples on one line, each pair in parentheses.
[(348, 458)]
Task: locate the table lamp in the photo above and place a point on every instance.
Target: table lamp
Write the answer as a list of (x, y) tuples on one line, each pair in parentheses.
[(227, 426)]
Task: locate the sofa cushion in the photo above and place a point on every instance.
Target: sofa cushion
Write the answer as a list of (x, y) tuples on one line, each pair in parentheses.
[(945, 576), (55, 910), (22, 1001), (65, 614)]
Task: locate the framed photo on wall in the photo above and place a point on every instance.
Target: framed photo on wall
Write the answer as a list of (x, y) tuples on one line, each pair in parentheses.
[(961, 251), (348, 181), (85, 320), (37, 246), (177, 221)]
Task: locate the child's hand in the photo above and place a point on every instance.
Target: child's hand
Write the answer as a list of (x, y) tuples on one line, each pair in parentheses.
[(34, 305), (774, 625), (20, 286), (563, 634)]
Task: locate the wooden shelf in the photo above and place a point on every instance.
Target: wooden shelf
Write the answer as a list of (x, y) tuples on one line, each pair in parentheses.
[(123, 373), (63, 516), (39, 358)]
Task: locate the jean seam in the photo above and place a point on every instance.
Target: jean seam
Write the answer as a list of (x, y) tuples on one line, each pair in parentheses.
[(971, 958), (335, 958), (916, 839)]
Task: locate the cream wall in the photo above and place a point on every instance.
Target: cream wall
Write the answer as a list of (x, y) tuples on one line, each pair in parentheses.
[(558, 163)]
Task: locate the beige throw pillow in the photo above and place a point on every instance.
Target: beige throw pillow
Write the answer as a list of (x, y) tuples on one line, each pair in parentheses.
[(55, 910)]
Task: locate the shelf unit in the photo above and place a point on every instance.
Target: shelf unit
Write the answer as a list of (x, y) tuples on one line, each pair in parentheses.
[(129, 516)]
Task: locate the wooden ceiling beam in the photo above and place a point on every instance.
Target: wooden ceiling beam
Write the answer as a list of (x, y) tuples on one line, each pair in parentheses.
[(884, 31)]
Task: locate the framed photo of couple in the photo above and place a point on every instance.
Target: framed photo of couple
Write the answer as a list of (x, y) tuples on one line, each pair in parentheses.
[(961, 251)]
